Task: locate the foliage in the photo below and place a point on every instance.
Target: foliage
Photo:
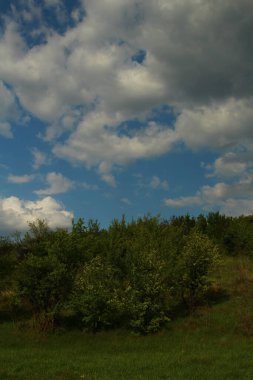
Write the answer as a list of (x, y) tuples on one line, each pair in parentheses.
[(147, 293), (96, 296), (44, 282), (132, 274), (198, 257), (7, 262)]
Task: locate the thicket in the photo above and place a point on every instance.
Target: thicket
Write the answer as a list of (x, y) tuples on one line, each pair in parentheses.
[(132, 275)]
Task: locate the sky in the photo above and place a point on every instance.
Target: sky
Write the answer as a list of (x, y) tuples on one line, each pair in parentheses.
[(124, 107)]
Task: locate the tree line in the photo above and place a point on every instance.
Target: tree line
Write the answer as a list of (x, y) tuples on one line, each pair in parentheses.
[(134, 275)]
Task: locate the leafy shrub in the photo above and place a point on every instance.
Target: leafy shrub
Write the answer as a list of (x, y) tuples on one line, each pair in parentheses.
[(146, 296), (96, 296), (191, 273), (45, 283)]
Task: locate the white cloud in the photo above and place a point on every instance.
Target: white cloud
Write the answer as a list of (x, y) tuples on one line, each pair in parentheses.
[(126, 201), (57, 183), (90, 67), (153, 183), (16, 213), (95, 142), (218, 125), (89, 186), (184, 201), (7, 102), (20, 179), (5, 130), (231, 199), (104, 171), (157, 183), (39, 158), (229, 165)]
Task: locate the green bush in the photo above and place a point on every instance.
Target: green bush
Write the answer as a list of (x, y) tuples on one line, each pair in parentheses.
[(45, 283), (191, 272), (147, 294), (96, 296)]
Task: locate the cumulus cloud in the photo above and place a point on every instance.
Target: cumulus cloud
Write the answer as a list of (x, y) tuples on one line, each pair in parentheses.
[(182, 41), (20, 179), (232, 199), (16, 213), (57, 183), (218, 125), (84, 83), (95, 142), (230, 165)]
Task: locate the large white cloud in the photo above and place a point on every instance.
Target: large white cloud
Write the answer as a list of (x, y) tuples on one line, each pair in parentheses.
[(16, 213)]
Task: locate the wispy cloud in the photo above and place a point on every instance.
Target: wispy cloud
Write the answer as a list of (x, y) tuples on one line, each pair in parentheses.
[(157, 183), (126, 201), (20, 179), (39, 158), (5, 130), (88, 186), (57, 184)]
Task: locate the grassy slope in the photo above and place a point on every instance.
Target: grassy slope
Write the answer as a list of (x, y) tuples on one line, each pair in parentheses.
[(215, 343)]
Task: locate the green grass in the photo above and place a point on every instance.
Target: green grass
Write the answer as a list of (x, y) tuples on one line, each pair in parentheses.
[(214, 343)]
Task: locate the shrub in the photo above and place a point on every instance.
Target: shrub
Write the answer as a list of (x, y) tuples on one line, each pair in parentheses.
[(191, 273), (45, 283), (96, 296), (147, 294)]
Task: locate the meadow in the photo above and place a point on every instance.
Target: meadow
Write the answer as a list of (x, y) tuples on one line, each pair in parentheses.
[(212, 342)]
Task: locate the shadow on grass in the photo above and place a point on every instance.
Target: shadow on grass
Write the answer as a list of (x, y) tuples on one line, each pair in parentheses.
[(213, 296), (216, 296)]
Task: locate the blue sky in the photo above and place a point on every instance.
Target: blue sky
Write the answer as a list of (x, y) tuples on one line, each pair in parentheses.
[(124, 107)]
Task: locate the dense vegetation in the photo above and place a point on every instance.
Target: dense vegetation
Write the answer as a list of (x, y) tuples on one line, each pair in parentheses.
[(138, 275)]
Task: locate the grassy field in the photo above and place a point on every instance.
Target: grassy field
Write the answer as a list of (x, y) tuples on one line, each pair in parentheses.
[(216, 342)]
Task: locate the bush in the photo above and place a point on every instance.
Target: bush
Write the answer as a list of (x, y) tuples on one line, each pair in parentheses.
[(96, 296), (45, 283), (191, 272), (147, 294)]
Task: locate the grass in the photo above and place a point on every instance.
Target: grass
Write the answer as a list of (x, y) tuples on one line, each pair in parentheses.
[(216, 342)]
